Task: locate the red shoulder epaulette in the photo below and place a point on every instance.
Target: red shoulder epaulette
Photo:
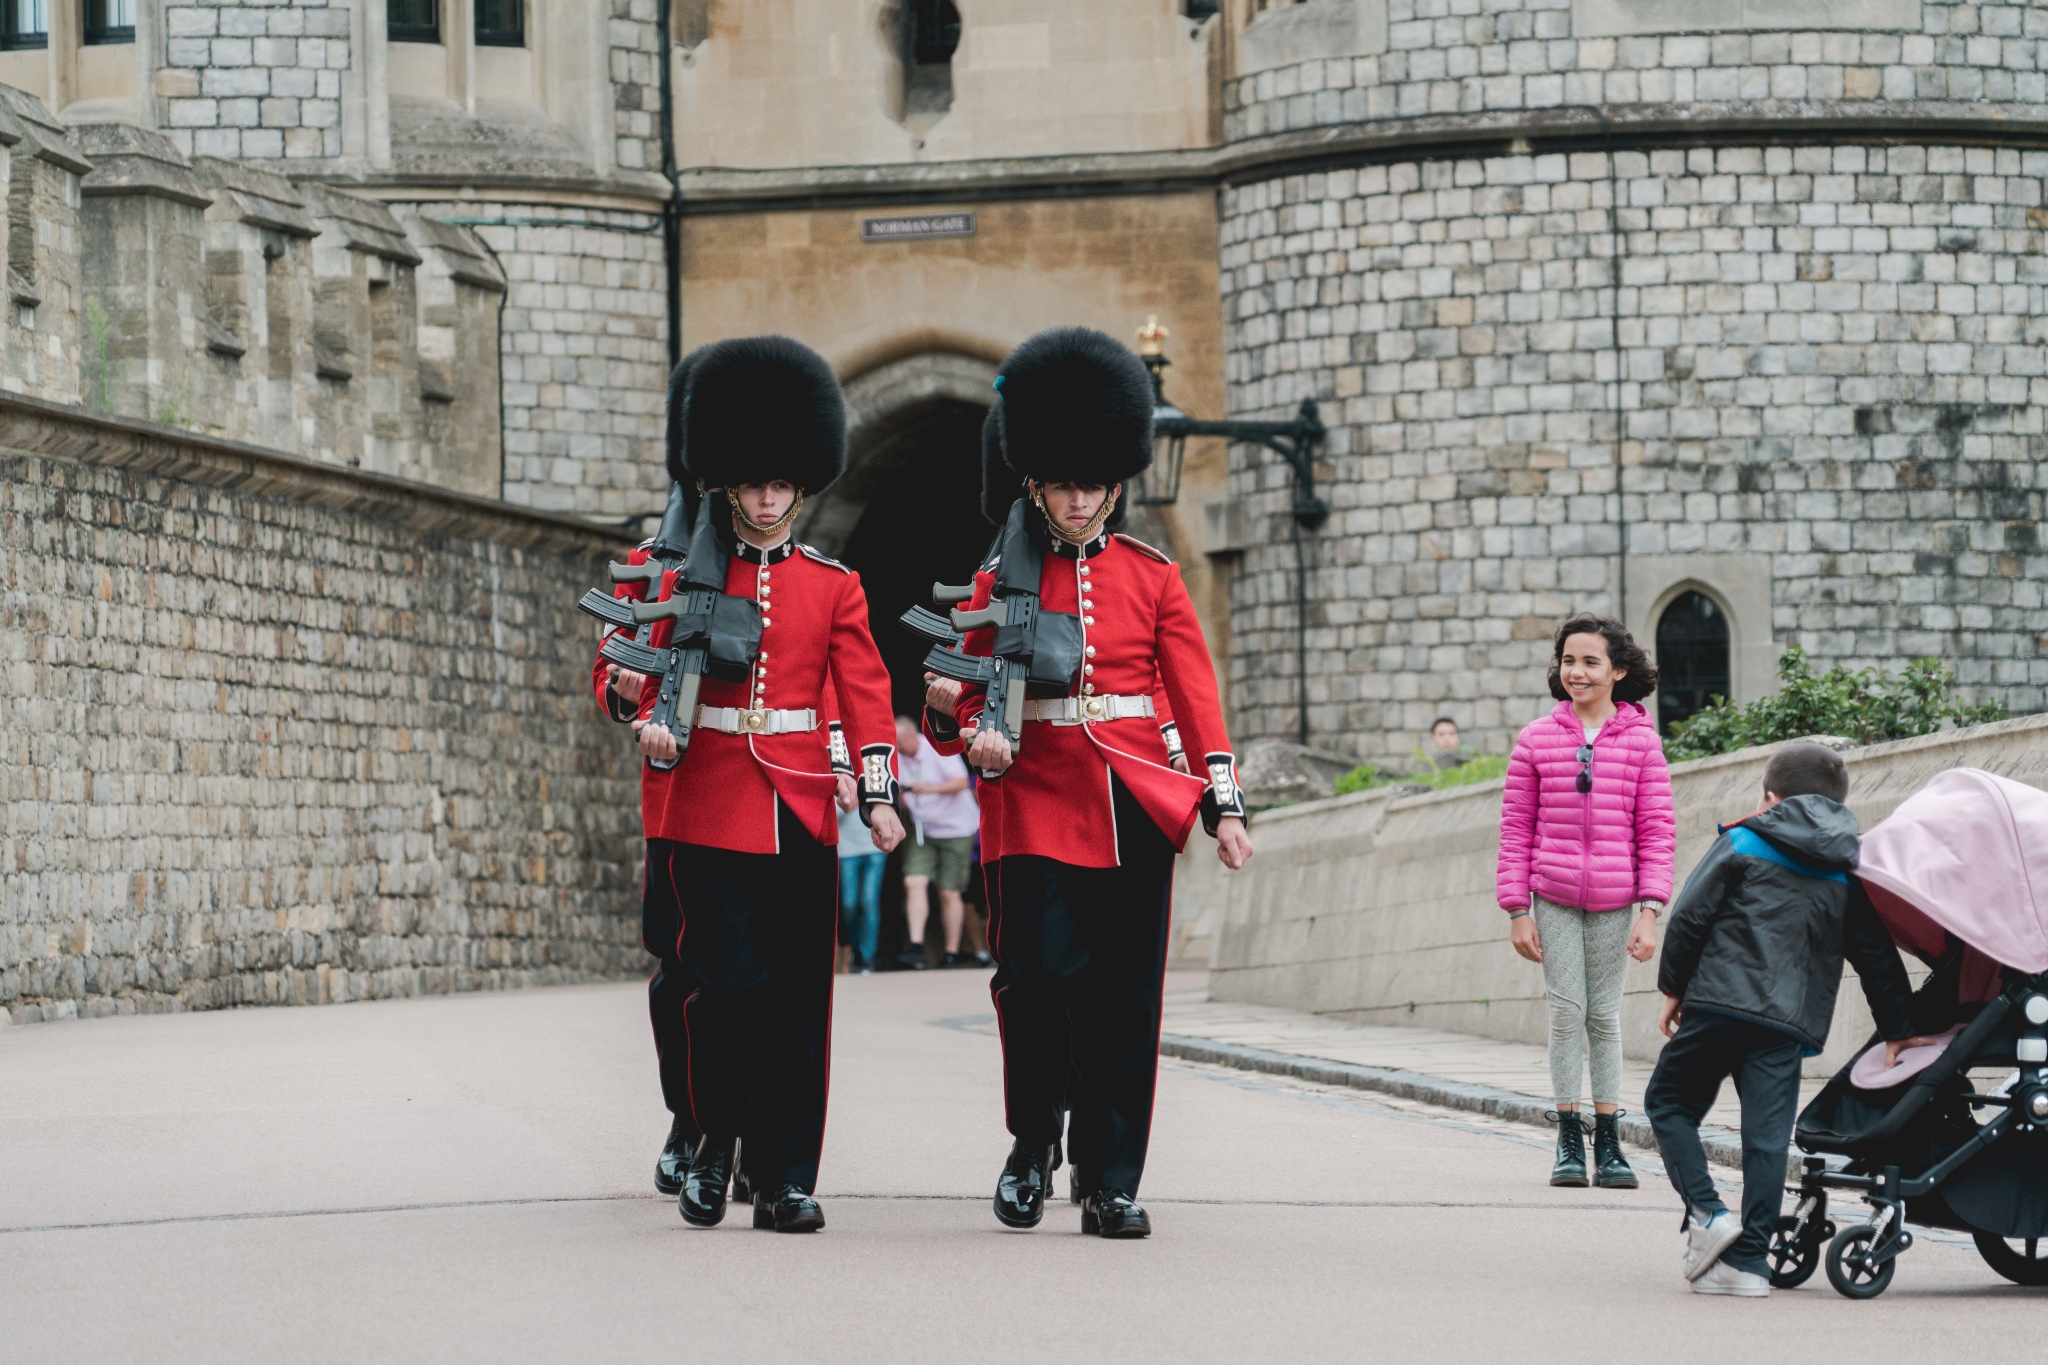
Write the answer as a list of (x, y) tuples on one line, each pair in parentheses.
[(1142, 548)]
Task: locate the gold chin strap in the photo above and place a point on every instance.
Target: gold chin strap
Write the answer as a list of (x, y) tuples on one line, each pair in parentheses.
[(781, 524), (1086, 533)]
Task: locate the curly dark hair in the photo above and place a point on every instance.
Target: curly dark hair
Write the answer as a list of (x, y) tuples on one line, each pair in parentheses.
[(1640, 675)]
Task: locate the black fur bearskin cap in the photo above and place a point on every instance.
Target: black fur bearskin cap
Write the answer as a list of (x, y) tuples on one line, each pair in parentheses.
[(1000, 487), (1076, 407), (756, 409), (678, 385)]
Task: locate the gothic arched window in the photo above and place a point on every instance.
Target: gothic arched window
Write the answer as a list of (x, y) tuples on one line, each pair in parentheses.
[(1692, 657)]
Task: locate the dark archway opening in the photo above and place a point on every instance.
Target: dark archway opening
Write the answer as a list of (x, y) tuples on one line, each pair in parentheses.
[(1692, 657), (922, 524)]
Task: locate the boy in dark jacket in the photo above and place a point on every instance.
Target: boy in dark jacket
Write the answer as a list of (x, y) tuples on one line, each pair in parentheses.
[(1752, 961)]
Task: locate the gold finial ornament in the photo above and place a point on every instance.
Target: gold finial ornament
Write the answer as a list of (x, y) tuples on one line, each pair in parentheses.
[(1152, 337)]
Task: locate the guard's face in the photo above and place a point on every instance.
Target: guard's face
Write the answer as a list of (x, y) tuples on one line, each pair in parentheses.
[(1074, 505), (764, 504)]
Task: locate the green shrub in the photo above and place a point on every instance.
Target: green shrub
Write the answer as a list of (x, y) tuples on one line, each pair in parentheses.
[(1868, 706), (1365, 777)]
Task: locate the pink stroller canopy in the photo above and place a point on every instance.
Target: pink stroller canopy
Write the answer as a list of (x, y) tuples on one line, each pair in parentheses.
[(1967, 853)]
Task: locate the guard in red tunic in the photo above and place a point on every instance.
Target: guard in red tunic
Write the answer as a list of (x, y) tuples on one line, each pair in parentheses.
[(750, 811), (1091, 810)]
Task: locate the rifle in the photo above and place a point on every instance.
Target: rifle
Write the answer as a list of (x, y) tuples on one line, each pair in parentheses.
[(671, 542), (712, 632), (1034, 648)]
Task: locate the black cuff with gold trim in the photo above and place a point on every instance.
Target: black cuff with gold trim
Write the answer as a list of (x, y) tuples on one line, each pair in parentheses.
[(1170, 732), (842, 757), (941, 726), (877, 779), (616, 706), (1224, 796)]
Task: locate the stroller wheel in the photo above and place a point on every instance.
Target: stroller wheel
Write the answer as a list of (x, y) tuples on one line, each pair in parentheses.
[(1794, 1258), (1851, 1271), (2021, 1260)]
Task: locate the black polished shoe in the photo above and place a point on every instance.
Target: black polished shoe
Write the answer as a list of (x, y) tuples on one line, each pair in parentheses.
[(1112, 1213), (1570, 1169), (675, 1157), (1610, 1168), (702, 1201), (949, 959), (911, 959), (742, 1188), (788, 1209), (1020, 1190)]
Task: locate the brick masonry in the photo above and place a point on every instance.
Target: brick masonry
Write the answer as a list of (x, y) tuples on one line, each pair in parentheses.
[(281, 733), (584, 352), (255, 81), (1456, 58), (1825, 356)]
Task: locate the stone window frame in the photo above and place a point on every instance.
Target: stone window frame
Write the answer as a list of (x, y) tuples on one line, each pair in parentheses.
[(1739, 584)]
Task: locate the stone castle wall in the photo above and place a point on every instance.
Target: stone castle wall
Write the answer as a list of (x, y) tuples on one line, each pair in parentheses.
[(1807, 378), (281, 733)]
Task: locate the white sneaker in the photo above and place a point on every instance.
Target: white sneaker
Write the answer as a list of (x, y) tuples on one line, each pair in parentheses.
[(1704, 1242), (1720, 1278)]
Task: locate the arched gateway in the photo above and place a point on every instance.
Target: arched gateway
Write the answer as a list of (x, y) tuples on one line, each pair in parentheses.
[(908, 509)]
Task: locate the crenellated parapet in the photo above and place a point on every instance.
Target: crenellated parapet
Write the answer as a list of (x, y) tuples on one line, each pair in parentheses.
[(231, 301)]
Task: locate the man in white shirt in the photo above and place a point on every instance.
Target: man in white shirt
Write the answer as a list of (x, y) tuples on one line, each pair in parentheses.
[(940, 852)]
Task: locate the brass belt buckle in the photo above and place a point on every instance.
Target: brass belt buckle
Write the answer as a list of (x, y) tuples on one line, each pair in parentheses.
[(1094, 708), (754, 722)]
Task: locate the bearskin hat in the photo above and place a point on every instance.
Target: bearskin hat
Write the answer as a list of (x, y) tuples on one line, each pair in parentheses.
[(1000, 485), (1076, 407), (756, 409), (678, 385)]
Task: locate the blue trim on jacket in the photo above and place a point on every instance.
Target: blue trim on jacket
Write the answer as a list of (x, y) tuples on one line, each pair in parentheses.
[(1751, 844)]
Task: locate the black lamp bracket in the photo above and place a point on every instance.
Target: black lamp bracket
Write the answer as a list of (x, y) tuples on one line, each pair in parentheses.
[(1295, 441)]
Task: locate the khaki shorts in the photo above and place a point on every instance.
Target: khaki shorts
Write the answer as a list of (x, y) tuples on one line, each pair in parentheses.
[(945, 861)]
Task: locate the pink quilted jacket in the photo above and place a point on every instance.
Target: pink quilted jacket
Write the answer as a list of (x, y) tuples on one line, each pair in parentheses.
[(1600, 851)]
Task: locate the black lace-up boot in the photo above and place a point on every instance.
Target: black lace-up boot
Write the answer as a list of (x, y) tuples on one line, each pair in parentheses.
[(702, 1201), (1021, 1189), (1571, 1149), (1610, 1168), (675, 1157)]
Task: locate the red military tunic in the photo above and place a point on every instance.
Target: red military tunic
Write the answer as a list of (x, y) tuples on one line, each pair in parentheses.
[(816, 653), (1144, 637), (655, 781)]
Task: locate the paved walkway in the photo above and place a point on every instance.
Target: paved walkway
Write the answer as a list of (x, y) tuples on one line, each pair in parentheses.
[(1453, 1069), (466, 1179)]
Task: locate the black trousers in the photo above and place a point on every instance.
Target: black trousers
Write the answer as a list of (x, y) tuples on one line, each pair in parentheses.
[(1080, 963), (759, 933), (673, 983), (1707, 1049)]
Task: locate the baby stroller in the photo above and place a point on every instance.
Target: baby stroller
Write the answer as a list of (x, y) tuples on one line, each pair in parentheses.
[(1959, 875)]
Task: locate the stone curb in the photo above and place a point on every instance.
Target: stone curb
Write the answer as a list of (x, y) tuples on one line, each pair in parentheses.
[(1723, 1147)]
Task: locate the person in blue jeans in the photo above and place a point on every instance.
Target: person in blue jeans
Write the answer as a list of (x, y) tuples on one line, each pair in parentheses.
[(860, 890)]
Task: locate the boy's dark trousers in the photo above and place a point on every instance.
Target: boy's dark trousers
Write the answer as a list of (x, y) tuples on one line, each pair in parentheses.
[(1707, 1049)]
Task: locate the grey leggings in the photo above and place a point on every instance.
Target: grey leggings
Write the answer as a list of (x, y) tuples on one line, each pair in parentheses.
[(1585, 954)]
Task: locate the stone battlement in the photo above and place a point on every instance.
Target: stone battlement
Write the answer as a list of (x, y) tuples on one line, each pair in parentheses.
[(233, 302)]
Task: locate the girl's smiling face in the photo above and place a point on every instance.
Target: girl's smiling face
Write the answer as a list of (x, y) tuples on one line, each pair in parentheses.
[(1586, 671)]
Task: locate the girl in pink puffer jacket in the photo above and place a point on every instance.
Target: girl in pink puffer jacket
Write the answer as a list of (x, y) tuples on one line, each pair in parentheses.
[(1586, 838)]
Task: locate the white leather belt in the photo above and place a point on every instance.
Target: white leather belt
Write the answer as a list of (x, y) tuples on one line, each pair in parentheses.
[(733, 720), (1075, 710)]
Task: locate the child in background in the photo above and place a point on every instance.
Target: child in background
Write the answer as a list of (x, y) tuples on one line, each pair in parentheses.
[(1752, 961)]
